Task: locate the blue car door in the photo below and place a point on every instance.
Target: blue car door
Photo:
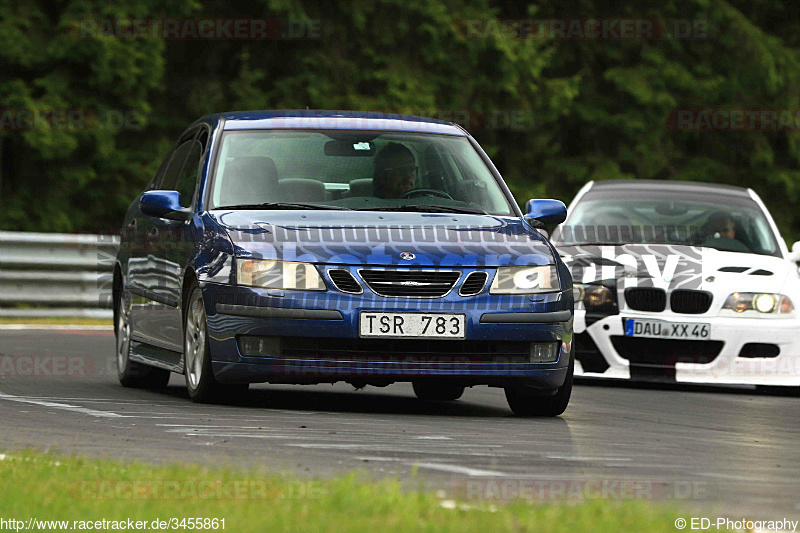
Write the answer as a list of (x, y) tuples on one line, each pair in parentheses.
[(139, 275), (177, 239)]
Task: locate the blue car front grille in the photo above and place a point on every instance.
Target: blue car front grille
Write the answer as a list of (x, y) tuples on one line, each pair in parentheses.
[(473, 284), (344, 281), (410, 283)]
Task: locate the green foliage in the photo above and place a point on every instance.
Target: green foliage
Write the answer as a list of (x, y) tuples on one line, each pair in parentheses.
[(551, 112), (80, 170)]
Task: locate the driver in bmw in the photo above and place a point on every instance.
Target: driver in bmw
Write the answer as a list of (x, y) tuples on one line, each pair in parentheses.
[(395, 171)]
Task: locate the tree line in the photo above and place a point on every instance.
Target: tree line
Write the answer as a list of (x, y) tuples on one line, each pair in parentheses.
[(93, 94)]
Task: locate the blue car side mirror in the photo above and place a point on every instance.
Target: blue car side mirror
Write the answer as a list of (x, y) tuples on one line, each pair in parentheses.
[(164, 204), (541, 213)]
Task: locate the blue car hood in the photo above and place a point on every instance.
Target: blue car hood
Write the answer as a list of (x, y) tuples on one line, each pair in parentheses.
[(384, 238)]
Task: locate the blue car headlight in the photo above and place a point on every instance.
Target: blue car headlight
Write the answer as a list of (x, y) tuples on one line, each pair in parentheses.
[(525, 280), (269, 274)]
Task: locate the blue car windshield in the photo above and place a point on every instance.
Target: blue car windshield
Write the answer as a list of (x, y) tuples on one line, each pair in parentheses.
[(360, 170)]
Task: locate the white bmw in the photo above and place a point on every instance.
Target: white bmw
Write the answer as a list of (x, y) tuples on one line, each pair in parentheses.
[(681, 282)]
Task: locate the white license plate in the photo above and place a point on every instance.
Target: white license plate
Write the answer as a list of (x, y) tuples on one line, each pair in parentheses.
[(412, 325), (659, 329)]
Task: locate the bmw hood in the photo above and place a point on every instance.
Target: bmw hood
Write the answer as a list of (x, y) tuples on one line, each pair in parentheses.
[(384, 238), (677, 267)]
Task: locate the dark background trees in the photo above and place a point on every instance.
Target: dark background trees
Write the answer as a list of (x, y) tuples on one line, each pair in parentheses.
[(552, 112)]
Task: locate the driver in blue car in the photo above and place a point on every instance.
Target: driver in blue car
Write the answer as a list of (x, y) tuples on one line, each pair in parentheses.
[(395, 171)]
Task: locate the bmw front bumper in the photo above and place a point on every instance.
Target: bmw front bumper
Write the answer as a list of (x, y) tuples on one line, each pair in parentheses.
[(739, 351)]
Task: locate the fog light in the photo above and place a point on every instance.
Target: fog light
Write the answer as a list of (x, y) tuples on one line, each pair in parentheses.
[(251, 345), (544, 352)]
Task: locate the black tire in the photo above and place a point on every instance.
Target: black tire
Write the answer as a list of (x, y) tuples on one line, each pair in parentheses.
[(437, 391), (130, 373), (775, 390), (528, 403), (201, 384)]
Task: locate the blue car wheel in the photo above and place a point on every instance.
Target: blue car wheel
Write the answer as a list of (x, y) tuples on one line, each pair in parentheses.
[(131, 373), (200, 381)]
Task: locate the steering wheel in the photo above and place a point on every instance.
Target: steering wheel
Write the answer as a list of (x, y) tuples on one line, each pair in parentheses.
[(413, 193), (726, 244)]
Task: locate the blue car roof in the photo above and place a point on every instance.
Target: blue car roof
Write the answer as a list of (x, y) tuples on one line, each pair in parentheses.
[(337, 120)]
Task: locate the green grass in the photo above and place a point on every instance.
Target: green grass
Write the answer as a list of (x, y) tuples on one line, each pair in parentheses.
[(59, 321), (55, 487)]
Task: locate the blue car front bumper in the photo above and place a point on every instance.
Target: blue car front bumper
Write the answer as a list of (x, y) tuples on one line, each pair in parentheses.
[(316, 338)]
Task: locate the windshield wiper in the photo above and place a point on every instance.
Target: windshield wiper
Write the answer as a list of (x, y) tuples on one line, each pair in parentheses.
[(429, 209), (593, 243), (563, 243), (284, 205)]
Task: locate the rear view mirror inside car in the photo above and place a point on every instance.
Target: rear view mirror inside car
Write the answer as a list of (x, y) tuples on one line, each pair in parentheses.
[(345, 148)]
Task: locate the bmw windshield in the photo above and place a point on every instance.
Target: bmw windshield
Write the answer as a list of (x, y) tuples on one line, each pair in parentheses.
[(642, 217), (360, 170)]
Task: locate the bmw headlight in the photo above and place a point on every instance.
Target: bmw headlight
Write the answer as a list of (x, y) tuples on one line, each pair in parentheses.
[(270, 274), (758, 301), (593, 297), (525, 280)]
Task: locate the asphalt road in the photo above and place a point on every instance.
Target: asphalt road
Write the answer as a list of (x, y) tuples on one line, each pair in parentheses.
[(732, 453)]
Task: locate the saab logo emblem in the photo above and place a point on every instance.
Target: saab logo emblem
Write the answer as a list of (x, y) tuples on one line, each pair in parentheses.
[(407, 256)]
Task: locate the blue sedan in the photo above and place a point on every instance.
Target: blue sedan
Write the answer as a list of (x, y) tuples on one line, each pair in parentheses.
[(316, 246)]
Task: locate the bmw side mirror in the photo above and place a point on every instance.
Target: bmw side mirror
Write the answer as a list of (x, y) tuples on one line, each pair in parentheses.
[(795, 253), (544, 213), (164, 204)]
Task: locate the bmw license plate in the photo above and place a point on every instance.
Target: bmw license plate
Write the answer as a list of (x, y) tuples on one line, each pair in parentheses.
[(659, 329), (412, 325)]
